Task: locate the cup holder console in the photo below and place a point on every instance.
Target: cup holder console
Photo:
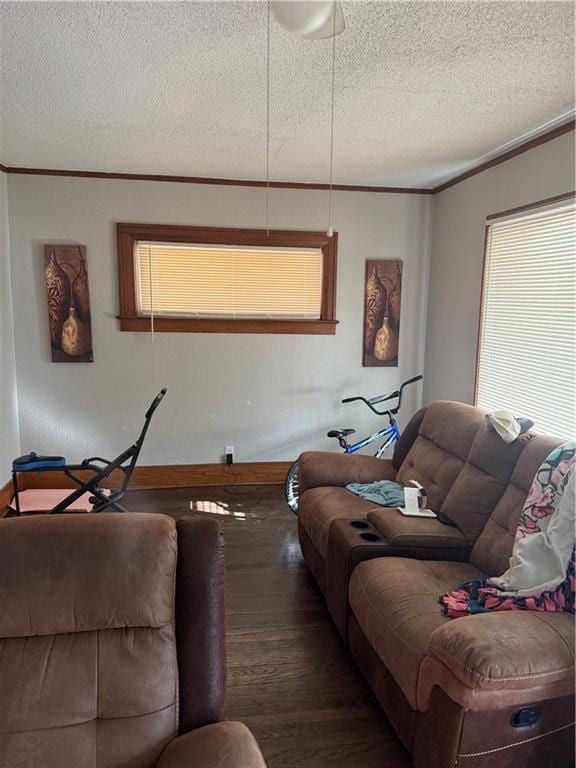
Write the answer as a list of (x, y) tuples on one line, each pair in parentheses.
[(366, 535), (369, 537)]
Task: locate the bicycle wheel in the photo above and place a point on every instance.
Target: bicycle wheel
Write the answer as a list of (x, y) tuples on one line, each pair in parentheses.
[(291, 488)]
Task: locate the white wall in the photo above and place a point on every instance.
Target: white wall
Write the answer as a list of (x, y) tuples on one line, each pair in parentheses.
[(271, 396), (459, 220), (9, 433)]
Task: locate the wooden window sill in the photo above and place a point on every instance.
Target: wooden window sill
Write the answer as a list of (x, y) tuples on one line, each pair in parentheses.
[(227, 325)]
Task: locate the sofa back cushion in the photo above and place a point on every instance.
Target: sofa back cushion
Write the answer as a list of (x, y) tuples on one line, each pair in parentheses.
[(441, 449), (482, 481), (87, 640), (493, 548)]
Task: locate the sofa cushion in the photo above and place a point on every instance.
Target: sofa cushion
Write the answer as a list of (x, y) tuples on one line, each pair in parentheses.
[(88, 663), (502, 657), (395, 601), (482, 481), (61, 573), (407, 438), (320, 506), (440, 451), (493, 547), (401, 531)]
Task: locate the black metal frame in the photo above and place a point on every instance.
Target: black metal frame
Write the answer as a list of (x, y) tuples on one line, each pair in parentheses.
[(101, 468)]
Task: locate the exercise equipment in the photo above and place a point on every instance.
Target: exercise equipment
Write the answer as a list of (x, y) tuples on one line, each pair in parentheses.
[(99, 467)]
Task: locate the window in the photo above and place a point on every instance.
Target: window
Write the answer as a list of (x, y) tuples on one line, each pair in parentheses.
[(229, 281), (527, 339), (226, 280)]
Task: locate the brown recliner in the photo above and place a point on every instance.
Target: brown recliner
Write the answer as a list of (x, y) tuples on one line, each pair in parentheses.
[(464, 465), (493, 690), (112, 648), (490, 690)]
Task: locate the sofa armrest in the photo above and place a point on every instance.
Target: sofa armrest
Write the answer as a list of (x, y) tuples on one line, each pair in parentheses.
[(350, 542), (504, 656), (447, 541), (200, 622), (319, 469), (221, 745)]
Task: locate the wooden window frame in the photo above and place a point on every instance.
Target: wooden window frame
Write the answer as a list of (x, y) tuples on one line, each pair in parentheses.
[(129, 234)]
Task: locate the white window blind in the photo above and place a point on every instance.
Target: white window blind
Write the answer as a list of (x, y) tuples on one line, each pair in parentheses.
[(527, 355), (228, 281)]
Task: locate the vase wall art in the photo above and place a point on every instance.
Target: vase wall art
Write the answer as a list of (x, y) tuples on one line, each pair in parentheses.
[(382, 297), (68, 303)]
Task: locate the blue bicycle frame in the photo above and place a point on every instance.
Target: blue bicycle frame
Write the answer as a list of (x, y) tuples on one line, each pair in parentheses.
[(388, 434)]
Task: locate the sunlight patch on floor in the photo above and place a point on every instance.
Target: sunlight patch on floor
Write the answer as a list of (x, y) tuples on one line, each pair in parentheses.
[(216, 508)]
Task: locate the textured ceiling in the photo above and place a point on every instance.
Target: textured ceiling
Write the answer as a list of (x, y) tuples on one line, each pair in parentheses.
[(423, 89)]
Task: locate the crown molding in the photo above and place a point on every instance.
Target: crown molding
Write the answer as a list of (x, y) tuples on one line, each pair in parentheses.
[(508, 154), (497, 159), (214, 181)]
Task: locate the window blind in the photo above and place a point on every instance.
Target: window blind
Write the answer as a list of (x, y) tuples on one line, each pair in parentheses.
[(228, 281), (527, 353)]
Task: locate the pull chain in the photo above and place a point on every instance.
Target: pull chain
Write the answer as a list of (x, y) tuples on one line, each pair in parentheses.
[(330, 231), (151, 294), (268, 117)]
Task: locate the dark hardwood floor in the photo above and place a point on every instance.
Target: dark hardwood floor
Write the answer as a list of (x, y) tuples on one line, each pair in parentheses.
[(290, 678)]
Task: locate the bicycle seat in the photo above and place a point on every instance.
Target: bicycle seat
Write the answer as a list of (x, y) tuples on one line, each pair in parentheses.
[(340, 433)]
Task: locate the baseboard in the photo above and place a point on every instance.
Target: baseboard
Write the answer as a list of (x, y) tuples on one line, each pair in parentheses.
[(173, 476), (6, 494)]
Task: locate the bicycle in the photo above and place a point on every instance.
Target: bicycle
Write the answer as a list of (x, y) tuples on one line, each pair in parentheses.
[(390, 434)]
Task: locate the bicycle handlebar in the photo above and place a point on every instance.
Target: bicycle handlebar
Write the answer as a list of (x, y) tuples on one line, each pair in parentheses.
[(412, 381), (380, 399)]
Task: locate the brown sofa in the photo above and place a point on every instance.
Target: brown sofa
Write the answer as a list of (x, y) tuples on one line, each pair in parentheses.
[(488, 690), (112, 645)]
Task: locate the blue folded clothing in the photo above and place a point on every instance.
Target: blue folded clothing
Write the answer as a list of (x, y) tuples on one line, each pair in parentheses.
[(386, 493)]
